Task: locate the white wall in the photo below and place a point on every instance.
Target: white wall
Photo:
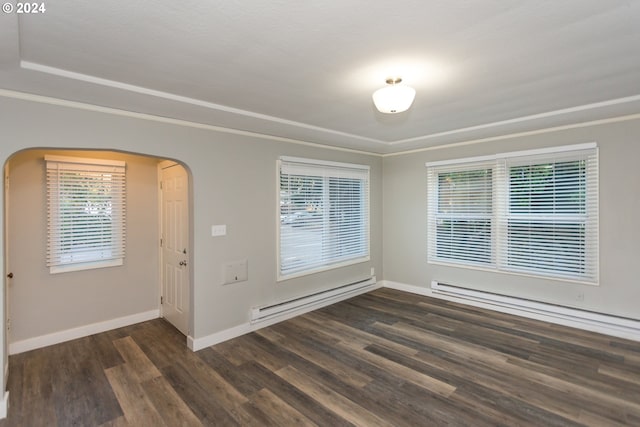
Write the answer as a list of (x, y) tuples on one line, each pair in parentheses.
[(405, 217), (41, 303), (233, 183)]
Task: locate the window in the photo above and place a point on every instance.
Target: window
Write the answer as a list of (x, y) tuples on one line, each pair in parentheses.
[(463, 218), (532, 212), (324, 215), (86, 207)]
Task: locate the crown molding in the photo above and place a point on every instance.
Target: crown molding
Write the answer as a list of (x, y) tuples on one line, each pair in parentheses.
[(185, 123), (519, 134), (178, 122), (32, 66), (548, 114)]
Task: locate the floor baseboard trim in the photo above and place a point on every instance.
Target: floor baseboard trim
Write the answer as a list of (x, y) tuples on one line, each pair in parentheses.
[(196, 344), (580, 319), (4, 405), (80, 332)]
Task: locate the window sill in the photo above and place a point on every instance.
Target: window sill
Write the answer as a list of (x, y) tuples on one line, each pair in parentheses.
[(85, 266), (516, 273), (282, 278)]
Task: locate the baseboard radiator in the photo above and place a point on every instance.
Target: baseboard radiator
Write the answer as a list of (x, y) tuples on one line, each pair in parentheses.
[(309, 302), (589, 320)]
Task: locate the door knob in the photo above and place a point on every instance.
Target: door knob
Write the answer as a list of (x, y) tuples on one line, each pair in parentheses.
[(183, 263), (10, 275)]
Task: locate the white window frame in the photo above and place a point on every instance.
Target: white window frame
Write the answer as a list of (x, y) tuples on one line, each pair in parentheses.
[(501, 210), (328, 168), (60, 261), (435, 217)]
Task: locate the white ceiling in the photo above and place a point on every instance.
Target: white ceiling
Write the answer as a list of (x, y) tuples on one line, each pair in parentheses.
[(306, 70)]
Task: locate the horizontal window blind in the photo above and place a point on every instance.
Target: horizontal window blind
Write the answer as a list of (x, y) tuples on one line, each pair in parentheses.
[(86, 212), (550, 215), (526, 213), (324, 215), (461, 216)]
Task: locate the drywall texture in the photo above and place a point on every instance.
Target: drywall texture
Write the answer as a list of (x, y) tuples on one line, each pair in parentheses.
[(41, 303), (618, 293), (233, 182)]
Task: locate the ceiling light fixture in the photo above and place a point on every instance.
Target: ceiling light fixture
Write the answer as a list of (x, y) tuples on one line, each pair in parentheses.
[(394, 98)]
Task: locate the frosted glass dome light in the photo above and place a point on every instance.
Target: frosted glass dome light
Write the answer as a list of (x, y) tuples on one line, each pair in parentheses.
[(394, 98)]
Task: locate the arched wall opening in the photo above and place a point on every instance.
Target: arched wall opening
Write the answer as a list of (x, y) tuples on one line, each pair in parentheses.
[(43, 308)]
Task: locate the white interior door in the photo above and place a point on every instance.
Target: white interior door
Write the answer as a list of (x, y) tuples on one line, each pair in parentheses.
[(175, 247)]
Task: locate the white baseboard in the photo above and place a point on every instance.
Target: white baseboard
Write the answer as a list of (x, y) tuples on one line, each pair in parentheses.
[(585, 320), (79, 332), (190, 342), (4, 405), (196, 344), (412, 289)]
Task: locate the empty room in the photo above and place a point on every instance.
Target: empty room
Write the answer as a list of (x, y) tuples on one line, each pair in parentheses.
[(355, 213)]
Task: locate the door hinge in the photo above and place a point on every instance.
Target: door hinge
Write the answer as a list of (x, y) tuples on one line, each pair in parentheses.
[(160, 242), (161, 300), (161, 185)]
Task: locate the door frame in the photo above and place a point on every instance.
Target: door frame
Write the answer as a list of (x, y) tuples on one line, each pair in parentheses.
[(163, 165), (6, 324)]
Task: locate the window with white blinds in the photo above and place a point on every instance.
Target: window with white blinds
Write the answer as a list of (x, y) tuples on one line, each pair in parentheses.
[(86, 213), (323, 215), (533, 212), (462, 214), (551, 215)]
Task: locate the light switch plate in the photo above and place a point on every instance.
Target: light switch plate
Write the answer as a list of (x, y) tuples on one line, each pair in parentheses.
[(218, 230)]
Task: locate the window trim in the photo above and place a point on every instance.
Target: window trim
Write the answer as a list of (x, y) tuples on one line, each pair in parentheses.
[(84, 163), (501, 196), (432, 211), (283, 277)]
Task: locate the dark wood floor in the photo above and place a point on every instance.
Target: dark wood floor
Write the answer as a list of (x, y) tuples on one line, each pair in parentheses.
[(384, 358)]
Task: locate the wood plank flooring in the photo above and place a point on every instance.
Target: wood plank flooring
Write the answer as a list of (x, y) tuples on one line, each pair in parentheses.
[(386, 358)]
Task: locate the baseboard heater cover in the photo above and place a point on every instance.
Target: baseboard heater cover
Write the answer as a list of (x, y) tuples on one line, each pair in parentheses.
[(307, 302), (613, 325)]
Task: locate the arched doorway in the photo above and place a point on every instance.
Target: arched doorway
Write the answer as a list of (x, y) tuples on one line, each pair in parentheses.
[(43, 307)]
